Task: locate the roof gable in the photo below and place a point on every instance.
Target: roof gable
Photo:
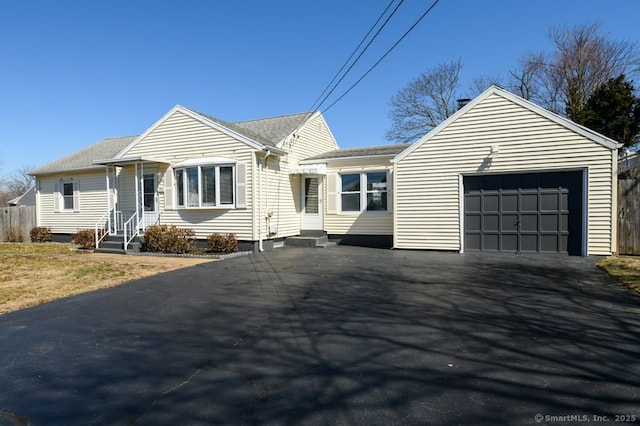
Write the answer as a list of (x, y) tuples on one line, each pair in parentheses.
[(494, 90), (260, 134)]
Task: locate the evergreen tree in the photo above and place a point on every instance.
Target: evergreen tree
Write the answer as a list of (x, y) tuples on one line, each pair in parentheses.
[(613, 110)]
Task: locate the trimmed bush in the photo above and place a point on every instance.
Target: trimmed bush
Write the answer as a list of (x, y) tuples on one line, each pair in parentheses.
[(169, 239), (85, 238), (218, 243), (40, 234)]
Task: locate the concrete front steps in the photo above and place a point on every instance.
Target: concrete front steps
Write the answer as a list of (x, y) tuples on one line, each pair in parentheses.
[(115, 245), (309, 239)]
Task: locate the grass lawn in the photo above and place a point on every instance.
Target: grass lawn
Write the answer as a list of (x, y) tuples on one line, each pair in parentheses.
[(626, 270), (31, 274)]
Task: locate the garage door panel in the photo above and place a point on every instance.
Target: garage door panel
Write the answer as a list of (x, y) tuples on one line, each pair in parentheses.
[(529, 242), (529, 202), (491, 223), (510, 202), (510, 242), (549, 243), (535, 212), (491, 242), (491, 203), (529, 222), (473, 202), (509, 222), (550, 202), (472, 222), (549, 222)]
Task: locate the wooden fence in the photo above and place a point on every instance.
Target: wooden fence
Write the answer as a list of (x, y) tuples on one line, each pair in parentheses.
[(16, 223), (629, 216)]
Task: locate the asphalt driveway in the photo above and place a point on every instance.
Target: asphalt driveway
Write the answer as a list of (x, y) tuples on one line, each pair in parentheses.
[(336, 336)]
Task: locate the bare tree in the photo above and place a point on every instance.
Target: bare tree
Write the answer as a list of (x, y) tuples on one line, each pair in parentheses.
[(482, 83), (424, 103), (20, 181), (583, 59)]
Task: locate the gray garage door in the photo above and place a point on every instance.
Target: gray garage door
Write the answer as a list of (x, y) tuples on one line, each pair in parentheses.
[(533, 212)]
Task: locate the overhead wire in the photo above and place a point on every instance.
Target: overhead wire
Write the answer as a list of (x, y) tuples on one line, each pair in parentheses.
[(384, 24), (313, 106), (383, 56)]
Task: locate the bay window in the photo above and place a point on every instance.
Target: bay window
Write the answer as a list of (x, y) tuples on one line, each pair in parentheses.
[(205, 186)]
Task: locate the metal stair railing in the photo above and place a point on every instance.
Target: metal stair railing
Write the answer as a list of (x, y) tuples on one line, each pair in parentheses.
[(131, 229)]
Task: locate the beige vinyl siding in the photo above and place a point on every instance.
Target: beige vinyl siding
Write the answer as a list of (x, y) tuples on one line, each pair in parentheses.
[(428, 183), (92, 202), (362, 223), (180, 138), (283, 188)]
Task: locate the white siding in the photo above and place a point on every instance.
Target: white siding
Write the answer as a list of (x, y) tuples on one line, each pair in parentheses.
[(284, 198), (364, 223), (427, 209), (179, 138), (92, 202)]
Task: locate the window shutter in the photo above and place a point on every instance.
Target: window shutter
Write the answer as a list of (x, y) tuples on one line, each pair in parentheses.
[(56, 197), (389, 191), (241, 185), (76, 196), (332, 193), (169, 199)]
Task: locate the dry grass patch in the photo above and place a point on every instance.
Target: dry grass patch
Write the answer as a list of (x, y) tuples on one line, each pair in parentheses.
[(31, 274), (626, 270)]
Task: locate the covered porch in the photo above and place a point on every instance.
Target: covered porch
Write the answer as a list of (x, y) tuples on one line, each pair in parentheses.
[(132, 198)]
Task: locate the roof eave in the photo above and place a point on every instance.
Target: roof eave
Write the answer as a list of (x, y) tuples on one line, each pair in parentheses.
[(63, 171), (349, 158)]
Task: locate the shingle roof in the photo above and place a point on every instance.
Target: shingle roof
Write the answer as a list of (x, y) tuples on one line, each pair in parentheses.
[(390, 150), (83, 159), (267, 131)]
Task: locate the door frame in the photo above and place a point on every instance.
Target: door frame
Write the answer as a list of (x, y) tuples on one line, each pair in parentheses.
[(311, 222), (143, 222)]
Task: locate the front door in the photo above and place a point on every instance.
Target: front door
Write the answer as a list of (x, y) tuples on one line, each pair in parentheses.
[(312, 203), (149, 200)]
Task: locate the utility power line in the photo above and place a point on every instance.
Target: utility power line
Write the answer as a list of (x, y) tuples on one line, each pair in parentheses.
[(335, 86), (315, 103), (383, 56)]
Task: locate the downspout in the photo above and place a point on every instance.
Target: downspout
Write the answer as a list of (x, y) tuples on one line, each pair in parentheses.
[(260, 167)]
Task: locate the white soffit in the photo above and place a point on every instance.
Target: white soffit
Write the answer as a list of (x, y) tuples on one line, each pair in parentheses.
[(310, 169)]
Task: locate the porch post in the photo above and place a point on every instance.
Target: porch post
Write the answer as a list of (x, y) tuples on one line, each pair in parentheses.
[(137, 193), (141, 195), (115, 213), (108, 200)]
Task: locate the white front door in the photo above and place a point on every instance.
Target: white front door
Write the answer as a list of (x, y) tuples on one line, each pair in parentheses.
[(312, 207), (149, 189)]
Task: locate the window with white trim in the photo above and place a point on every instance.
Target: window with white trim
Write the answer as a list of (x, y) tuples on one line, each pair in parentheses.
[(364, 192), (205, 186), (67, 196)]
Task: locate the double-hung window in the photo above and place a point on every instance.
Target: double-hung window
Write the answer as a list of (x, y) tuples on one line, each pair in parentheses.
[(205, 186), (67, 196), (366, 191)]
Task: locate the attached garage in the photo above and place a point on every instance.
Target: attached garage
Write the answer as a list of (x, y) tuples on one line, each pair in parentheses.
[(504, 174), (530, 212)]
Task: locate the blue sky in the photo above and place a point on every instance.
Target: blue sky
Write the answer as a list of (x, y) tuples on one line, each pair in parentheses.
[(74, 72)]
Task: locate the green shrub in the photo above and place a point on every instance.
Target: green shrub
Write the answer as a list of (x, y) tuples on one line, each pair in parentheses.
[(218, 243), (40, 234), (14, 235), (169, 239), (86, 238)]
